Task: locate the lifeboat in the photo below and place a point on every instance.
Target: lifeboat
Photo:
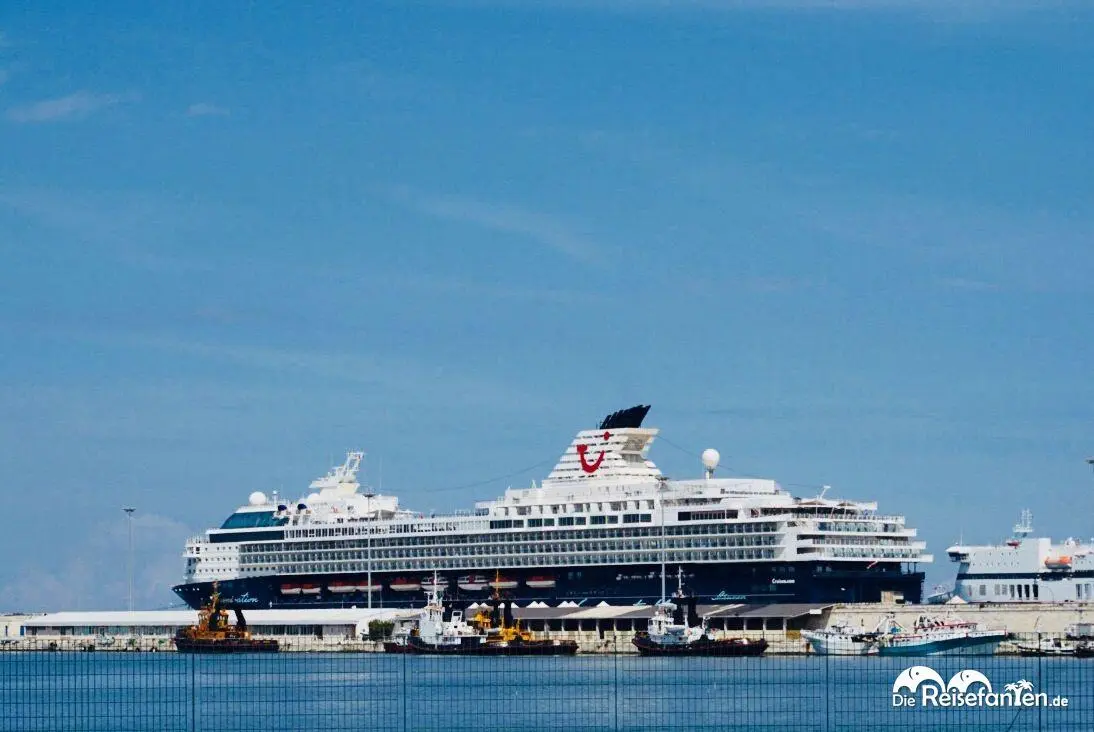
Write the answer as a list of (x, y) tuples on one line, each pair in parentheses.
[(342, 588), (1013, 542), (290, 589), (1060, 562), (366, 587), (402, 584), (429, 586), (540, 582), (472, 583), (503, 583), (309, 589)]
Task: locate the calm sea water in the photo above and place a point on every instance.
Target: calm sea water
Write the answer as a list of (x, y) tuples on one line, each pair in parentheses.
[(120, 692)]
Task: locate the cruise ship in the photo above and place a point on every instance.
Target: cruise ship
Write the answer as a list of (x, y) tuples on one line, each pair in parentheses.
[(1023, 569), (599, 528)]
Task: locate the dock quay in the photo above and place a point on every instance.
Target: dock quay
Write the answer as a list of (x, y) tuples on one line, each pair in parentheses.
[(596, 629)]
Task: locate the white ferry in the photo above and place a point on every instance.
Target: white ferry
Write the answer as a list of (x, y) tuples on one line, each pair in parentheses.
[(1023, 569), (597, 529)]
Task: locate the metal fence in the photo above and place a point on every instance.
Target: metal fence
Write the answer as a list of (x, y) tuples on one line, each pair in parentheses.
[(67, 688)]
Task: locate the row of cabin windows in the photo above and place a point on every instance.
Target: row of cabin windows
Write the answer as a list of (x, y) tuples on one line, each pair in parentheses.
[(580, 507), (1016, 592), (624, 548), (560, 541), (532, 560), (553, 535)]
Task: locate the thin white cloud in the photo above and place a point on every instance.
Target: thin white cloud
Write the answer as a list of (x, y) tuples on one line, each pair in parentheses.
[(206, 109), (957, 8), (548, 231), (73, 106)]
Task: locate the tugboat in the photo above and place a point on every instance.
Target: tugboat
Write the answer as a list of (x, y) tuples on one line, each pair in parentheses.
[(672, 634), (491, 632), (213, 634)]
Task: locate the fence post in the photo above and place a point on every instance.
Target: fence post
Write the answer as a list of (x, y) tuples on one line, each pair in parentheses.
[(615, 680), (1040, 686), (193, 696), (827, 695)]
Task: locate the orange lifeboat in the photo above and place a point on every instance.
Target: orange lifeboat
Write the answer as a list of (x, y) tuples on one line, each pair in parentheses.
[(1060, 562)]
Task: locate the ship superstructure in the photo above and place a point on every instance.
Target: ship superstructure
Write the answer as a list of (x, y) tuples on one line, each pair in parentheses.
[(597, 528), (1024, 569)]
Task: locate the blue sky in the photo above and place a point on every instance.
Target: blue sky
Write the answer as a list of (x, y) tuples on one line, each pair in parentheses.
[(845, 243)]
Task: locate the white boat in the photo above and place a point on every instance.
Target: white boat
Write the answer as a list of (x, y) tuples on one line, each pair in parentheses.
[(309, 589), (365, 587), (582, 526), (405, 585), (842, 640), (290, 589), (342, 588), (936, 636), (472, 583), (1024, 569), (1046, 647), (503, 583), (434, 584)]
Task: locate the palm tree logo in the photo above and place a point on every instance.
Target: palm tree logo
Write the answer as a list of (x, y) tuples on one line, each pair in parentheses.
[(1018, 687)]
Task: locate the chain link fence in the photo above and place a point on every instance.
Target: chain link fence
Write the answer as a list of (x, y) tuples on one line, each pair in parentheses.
[(54, 686)]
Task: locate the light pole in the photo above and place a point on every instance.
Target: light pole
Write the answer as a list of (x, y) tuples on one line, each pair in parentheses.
[(129, 516)]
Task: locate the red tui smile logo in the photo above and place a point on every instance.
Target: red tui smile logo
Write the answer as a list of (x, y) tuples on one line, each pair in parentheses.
[(585, 464)]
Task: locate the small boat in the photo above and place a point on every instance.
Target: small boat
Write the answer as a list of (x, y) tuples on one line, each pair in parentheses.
[(1058, 562), (540, 582), (307, 589), (842, 640), (341, 587), (674, 633), (491, 632), (401, 584), (290, 589), (213, 633), (1046, 647), (472, 583), (501, 582), (366, 587), (429, 584), (932, 636)]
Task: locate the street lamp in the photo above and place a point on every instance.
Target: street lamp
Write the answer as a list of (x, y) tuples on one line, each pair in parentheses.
[(129, 516)]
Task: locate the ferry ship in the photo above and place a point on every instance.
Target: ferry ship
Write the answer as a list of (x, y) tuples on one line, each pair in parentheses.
[(1023, 569), (597, 529)]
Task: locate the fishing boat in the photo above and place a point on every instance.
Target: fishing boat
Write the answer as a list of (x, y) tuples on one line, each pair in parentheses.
[(842, 639), (213, 633), (933, 636), (674, 632)]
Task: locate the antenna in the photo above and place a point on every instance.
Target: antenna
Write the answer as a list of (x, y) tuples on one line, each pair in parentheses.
[(1024, 527)]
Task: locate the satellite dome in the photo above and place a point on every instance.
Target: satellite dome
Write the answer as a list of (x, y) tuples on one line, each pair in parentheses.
[(711, 458), (258, 498)]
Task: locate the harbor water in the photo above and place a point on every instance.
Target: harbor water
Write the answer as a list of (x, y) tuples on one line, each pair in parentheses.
[(161, 692)]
